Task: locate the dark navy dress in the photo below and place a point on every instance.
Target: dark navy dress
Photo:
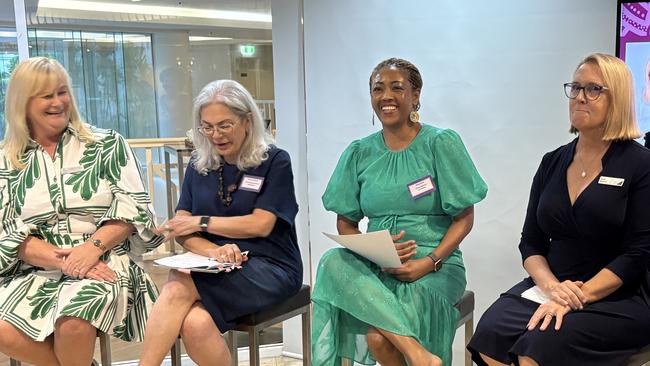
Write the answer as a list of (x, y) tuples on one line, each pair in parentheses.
[(273, 271), (608, 226)]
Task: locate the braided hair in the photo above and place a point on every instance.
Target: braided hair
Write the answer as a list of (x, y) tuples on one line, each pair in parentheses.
[(412, 72)]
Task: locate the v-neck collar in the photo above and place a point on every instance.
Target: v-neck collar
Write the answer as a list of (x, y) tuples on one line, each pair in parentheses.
[(570, 156)]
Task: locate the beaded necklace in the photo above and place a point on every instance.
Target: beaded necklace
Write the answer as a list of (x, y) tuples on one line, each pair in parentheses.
[(226, 197)]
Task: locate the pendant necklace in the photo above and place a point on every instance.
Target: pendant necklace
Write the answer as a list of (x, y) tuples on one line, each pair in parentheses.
[(225, 195)]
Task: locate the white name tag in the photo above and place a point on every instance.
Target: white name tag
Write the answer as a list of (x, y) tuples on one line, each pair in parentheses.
[(72, 169), (611, 181), (251, 183), (421, 187)]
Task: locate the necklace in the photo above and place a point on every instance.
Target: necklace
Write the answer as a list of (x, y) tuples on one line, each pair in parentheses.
[(587, 167), (226, 197)]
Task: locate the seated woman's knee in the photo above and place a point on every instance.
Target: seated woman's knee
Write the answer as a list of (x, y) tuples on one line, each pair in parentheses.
[(377, 342), (178, 288), (196, 323), (75, 327), (8, 339)]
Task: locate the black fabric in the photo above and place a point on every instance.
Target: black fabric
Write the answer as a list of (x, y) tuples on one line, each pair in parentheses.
[(606, 227), (274, 269)]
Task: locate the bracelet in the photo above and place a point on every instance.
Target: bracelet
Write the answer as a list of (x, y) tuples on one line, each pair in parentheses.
[(98, 243)]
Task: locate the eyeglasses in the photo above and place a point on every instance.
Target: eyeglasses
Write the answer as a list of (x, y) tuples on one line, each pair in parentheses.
[(223, 128), (591, 91)]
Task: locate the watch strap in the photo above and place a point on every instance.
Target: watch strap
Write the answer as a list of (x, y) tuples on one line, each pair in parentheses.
[(98, 243), (437, 262), (203, 223)]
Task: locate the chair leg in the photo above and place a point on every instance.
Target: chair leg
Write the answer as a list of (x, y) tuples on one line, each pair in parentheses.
[(105, 348), (346, 362), (469, 332), (232, 346), (306, 338), (13, 362), (176, 352), (254, 347)]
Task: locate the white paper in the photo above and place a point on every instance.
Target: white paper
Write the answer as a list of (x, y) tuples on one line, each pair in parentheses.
[(195, 262), (376, 246), (535, 294)]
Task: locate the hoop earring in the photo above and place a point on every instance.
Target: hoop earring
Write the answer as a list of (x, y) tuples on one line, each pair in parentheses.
[(414, 117)]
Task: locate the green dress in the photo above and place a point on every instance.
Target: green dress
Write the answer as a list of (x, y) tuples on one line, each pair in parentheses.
[(350, 292), (63, 200)]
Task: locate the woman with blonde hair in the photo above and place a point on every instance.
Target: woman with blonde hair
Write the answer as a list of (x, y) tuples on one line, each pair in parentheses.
[(237, 196), (585, 241), (72, 208)]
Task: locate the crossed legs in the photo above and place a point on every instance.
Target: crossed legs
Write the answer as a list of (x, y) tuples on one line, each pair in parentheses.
[(391, 349), (178, 311)]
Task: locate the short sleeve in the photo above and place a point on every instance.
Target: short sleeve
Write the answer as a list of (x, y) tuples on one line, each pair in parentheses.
[(342, 193), (635, 256), (278, 195), (131, 203), (459, 183), (534, 241), (185, 200), (13, 231)]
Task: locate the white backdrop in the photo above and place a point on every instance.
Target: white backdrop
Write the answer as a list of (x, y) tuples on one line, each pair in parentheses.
[(492, 70)]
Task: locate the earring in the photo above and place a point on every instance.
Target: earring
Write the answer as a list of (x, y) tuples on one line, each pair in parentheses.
[(373, 118), (414, 117)]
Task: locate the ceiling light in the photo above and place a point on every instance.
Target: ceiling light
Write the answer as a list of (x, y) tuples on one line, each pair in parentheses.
[(201, 38), (154, 10)]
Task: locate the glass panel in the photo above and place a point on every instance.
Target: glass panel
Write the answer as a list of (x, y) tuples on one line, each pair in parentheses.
[(8, 61)]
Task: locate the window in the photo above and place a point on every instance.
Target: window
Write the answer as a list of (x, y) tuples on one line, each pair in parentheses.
[(8, 61)]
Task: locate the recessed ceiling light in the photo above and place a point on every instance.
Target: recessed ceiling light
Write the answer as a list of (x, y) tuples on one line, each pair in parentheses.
[(154, 10)]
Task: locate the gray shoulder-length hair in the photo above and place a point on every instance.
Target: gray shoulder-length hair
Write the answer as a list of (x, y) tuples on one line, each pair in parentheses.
[(234, 96)]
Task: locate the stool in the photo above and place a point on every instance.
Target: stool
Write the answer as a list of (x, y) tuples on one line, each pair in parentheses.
[(640, 358), (466, 308), (298, 304), (104, 349)]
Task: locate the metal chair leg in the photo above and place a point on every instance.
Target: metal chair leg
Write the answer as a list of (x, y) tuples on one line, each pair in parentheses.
[(469, 332), (176, 352), (254, 347), (105, 348), (232, 346), (306, 338), (13, 362)]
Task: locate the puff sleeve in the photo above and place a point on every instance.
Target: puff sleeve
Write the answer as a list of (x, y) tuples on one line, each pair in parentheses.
[(459, 183), (342, 193)]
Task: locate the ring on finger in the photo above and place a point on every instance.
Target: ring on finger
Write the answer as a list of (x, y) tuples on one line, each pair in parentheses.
[(550, 313)]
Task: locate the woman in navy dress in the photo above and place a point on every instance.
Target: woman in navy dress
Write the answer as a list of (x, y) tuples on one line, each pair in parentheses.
[(585, 241), (237, 196)]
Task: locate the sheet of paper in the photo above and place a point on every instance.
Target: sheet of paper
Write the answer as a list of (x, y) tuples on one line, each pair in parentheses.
[(535, 294), (376, 246), (195, 262)]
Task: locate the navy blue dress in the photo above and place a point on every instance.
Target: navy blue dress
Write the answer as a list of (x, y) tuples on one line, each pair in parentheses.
[(273, 271), (607, 227)]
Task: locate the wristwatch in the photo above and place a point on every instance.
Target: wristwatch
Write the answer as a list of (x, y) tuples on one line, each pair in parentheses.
[(437, 262), (98, 243), (203, 223)]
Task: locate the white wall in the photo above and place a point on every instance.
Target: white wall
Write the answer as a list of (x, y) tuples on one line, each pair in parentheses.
[(493, 71)]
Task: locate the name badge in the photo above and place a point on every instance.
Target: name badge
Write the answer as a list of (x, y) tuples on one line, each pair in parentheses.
[(251, 183), (611, 181), (72, 169), (421, 187)]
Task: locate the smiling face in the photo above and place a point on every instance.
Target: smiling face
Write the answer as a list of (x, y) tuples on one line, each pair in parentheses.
[(228, 130), (588, 114), (48, 112), (393, 97)]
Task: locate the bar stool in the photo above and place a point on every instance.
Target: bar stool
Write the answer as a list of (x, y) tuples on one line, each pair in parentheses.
[(298, 304), (104, 349)]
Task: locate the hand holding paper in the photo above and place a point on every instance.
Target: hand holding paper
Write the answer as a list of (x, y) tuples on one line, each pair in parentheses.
[(377, 246)]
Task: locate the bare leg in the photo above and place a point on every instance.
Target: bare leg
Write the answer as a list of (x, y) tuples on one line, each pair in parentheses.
[(19, 346), (202, 338), (490, 361), (383, 350), (164, 324), (74, 341), (527, 361), (413, 351)]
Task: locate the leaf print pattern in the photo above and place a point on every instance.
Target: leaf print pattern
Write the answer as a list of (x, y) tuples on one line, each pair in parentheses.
[(86, 181), (44, 298), (114, 157), (89, 302), (22, 180)]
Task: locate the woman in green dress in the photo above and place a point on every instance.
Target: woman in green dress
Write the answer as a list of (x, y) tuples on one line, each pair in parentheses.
[(418, 182)]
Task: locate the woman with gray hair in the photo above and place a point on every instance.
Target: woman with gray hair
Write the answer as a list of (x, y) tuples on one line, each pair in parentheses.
[(237, 196)]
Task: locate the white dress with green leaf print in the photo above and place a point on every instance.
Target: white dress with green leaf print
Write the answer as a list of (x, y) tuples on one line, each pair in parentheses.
[(63, 201)]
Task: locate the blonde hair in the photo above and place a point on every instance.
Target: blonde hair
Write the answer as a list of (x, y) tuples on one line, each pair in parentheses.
[(240, 102), (32, 77), (620, 123)]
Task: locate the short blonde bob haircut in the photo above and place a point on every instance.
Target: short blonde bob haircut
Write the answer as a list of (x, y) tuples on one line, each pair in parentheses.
[(620, 122), (234, 96), (33, 77)]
